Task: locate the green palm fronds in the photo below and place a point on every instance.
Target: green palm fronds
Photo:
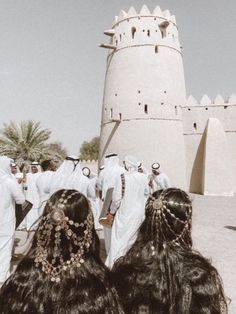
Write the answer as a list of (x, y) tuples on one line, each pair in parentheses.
[(25, 141)]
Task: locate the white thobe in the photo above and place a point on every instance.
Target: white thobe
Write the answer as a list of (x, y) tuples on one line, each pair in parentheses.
[(43, 185), (160, 182), (95, 204), (10, 194), (111, 173), (130, 213), (33, 197)]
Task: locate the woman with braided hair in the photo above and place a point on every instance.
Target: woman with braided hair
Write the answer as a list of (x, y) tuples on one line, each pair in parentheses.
[(161, 274), (62, 272)]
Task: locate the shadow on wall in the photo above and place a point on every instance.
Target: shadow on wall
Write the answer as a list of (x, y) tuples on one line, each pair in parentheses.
[(197, 174), (230, 228), (102, 153)]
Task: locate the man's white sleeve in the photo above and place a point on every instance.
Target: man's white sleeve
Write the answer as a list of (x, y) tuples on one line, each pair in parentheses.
[(116, 196), (16, 192)]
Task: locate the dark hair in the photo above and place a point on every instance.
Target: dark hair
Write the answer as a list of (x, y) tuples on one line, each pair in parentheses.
[(83, 284), (46, 164), (161, 274)]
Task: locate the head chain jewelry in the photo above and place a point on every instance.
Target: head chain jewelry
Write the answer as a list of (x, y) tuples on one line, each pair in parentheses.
[(160, 206), (60, 223)]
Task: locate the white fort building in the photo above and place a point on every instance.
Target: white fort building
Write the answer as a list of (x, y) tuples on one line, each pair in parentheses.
[(146, 113)]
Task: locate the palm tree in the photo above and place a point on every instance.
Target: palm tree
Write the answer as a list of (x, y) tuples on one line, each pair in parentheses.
[(25, 141)]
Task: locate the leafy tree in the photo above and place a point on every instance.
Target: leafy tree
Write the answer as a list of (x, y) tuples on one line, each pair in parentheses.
[(56, 150), (26, 141), (89, 150)]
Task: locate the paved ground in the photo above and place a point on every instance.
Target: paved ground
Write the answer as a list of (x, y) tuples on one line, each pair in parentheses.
[(214, 235)]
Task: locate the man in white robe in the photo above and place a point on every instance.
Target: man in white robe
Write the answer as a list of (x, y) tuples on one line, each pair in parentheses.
[(99, 182), (31, 195), (95, 202), (10, 193), (43, 183), (158, 180), (111, 171), (69, 176), (128, 205)]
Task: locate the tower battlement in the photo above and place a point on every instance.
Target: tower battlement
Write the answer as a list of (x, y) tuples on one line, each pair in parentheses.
[(144, 12), (196, 113), (156, 29)]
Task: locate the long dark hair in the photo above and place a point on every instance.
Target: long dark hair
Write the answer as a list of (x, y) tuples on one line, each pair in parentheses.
[(161, 274), (62, 272)]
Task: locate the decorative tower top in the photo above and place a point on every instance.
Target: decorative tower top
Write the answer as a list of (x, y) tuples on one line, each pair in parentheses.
[(157, 28)]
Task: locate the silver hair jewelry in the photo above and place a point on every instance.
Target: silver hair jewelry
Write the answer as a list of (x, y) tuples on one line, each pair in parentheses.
[(159, 208)]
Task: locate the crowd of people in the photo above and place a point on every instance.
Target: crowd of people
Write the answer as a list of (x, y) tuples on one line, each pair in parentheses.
[(150, 267)]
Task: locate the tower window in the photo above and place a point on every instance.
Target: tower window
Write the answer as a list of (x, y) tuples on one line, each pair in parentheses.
[(120, 115), (111, 113), (120, 37), (139, 91), (146, 109), (176, 110), (206, 108), (156, 49), (163, 28), (148, 33), (195, 125), (225, 107), (133, 31)]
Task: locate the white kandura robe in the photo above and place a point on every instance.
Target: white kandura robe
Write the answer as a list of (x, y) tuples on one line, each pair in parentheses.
[(33, 197), (43, 185), (129, 216), (10, 193), (95, 204), (160, 182), (70, 176), (110, 174)]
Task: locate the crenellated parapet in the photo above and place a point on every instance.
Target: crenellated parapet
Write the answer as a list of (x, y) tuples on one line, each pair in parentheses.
[(195, 114), (206, 101), (131, 29)]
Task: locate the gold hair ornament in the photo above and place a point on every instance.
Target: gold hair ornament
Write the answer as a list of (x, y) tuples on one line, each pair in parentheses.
[(61, 225)]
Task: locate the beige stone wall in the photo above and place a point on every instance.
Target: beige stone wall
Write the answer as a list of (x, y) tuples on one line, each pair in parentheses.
[(195, 119)]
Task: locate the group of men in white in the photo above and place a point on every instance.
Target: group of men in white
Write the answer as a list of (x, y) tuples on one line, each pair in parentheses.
[(118, 195)]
